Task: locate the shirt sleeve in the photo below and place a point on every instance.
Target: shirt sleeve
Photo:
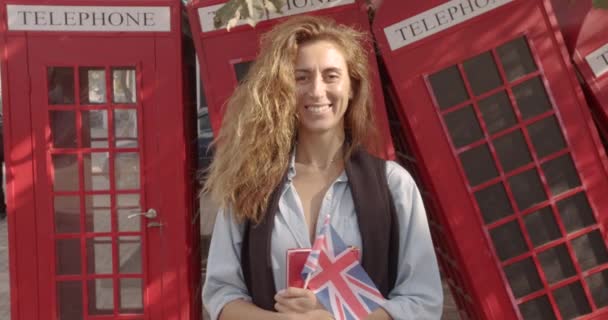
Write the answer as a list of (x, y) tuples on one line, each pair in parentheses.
[(418, 292), (224, 281)]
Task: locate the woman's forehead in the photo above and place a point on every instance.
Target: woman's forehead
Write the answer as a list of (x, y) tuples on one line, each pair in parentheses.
[(319, 54)]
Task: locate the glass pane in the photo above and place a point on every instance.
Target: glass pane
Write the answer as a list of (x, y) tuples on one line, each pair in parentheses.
[(99, 255), (493, 203), (508, 240), (96, 171), (202, 99), (67, 214), (497, 112), (128, 204), (126, 166), (463, 126), (92, 85), (69, 300), (481, 73), (571, 301), (478, 165), (523, 278), (527, 189), (67, 257), (561, 175), (597, 284), (129, 254), (63, 129), (204, 126), (101, 296), (98, 213), (575, 212), (61, 85), (448, 87), (542, 227), (125, 128), (546, 136), (516, 58), (590, 250), (65, 169), (241, 70), (131, 296), (512, 151), (537, 309), (531, 98), (94, 129), (556, 264), (124, 85)]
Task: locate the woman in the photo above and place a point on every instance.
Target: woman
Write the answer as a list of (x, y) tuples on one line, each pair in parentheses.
[(292, 149)]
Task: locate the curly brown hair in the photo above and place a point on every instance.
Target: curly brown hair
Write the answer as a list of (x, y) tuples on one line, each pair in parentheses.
[(259, 128)]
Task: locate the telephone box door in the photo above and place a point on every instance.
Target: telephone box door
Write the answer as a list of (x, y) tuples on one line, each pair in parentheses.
[(97, 189), (508, 141)]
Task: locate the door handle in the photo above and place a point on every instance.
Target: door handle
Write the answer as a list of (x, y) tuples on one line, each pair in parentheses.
[(150, 214)]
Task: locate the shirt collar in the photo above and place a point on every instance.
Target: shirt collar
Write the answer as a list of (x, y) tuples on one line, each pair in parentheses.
[(291, 172)]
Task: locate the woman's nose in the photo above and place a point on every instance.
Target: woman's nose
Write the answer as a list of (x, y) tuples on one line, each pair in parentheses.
[(317, 87)]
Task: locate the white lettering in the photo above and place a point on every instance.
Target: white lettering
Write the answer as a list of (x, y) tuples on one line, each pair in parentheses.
[(88, 18), (598, 61), (292, 7), (436, 20)]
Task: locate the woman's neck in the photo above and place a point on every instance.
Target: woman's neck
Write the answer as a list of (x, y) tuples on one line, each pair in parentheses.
[(319, 150)]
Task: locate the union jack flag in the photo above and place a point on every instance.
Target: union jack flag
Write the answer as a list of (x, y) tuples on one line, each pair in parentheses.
[(333, 272)]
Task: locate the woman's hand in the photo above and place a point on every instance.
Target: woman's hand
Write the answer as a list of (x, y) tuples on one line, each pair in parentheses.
[(296, 300)]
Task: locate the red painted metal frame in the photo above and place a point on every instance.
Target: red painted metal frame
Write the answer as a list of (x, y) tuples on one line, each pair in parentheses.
[(219, 50), (409, 66), (165, 159), (570, 16)]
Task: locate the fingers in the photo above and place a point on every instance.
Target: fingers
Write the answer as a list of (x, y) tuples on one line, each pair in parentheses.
[(295, 300), (282, 308), (293, 292)]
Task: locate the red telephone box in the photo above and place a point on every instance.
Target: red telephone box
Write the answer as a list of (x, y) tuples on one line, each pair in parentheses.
[(583, 28), (98, 187), (591, 58), (225, 56), (504, 136)]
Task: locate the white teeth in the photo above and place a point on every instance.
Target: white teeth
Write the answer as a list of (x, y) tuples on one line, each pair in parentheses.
[(319, 109)]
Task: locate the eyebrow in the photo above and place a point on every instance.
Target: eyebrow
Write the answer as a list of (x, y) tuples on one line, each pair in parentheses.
[(330, 69)]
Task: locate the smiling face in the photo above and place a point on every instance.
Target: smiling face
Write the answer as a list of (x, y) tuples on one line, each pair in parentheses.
[(323, 88)]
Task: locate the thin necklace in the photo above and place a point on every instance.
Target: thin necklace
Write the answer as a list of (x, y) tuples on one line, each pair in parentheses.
[(329, 165)]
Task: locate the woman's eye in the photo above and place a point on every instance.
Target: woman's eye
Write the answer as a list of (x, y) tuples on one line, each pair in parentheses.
[(300, 78)]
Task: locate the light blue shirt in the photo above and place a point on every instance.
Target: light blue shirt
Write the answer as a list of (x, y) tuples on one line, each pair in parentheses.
[(417, 293)]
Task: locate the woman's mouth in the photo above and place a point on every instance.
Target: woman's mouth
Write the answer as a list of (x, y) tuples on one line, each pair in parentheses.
[(318, 108)]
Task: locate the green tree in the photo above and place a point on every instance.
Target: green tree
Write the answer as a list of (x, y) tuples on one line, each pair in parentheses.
[(600, 4)]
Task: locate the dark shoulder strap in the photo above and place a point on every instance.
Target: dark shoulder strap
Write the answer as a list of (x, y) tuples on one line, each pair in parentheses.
[(376, 215), (256, 261)]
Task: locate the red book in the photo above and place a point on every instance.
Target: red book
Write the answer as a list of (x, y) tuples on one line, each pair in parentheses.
[(296, 258)]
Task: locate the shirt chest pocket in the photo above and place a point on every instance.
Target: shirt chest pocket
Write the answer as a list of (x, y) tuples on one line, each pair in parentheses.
[(346, 224)]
